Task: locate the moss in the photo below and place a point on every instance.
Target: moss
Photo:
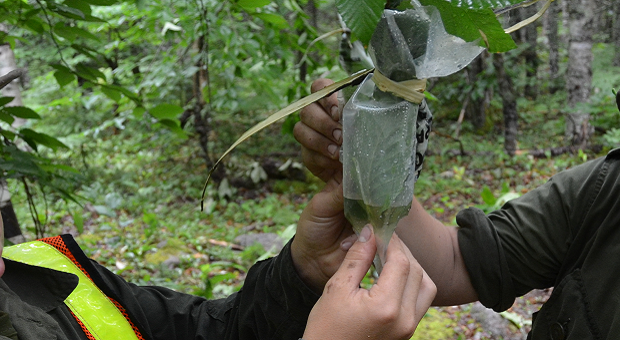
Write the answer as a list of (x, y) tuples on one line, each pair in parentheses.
[(173, 247), (434, 326), (90, 239)]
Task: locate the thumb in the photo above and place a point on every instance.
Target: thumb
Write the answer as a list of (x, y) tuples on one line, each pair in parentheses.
[(357, 261)]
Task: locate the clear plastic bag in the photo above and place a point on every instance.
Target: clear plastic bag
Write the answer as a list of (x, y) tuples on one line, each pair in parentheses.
[(385, 137)]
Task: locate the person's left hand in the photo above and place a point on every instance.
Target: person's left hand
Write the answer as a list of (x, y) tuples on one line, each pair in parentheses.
[(389, 310), (323, 236)]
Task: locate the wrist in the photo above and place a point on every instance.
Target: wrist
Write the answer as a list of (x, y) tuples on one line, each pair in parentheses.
[(308, 269)]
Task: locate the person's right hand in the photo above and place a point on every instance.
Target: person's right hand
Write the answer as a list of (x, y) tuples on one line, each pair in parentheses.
[(391, 309), (320, 134)]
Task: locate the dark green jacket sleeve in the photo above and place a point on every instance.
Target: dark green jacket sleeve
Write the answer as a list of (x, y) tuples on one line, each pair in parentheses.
[(524, 245), (273, 304)]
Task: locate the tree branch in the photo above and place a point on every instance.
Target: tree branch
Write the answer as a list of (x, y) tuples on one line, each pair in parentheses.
[(9, 77)]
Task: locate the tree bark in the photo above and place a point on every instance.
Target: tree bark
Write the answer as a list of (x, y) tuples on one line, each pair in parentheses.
[(476, 110), (12, 232), (553, 14), (509, 103), (201, 115), (616, 31), (579, 73), (311, 10), (530, 35)]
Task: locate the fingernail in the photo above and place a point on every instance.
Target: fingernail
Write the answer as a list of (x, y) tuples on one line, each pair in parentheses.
[(365, 234), (348, 242), (332, 148), (337, 135), (335, 113)]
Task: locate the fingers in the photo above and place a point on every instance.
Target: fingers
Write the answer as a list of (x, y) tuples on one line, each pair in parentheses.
[(356, 263), (312, 137), (321, 120), (420, 289), (427, 293), (329, 103), (395, 274)]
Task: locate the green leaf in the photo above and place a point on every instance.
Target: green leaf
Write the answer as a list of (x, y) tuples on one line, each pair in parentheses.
[(111, 93), (250, 5), (7, 134), (63, 31), (138, 112), (472, 24), (78, 221), (21, 112), (128, 93), (61, 67), (35, 25), (361, 16), (487, 196), (89, 73), (67, 12), (80, 5), (5, 117), (166, 111), (101, 2), (34, 138), (173, 125), (64, 77), (103, 210), (83, 33), (65, 168), (275, 19), (87, 51), (5, 100), (481, 4)]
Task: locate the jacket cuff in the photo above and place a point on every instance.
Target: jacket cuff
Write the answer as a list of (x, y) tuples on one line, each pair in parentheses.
[(288, 289)]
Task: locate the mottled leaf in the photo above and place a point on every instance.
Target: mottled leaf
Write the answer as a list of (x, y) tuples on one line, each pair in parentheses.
[(471, 24), (361, 16)]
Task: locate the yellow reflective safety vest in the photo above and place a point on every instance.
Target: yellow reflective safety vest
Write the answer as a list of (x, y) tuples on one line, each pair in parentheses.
[(101, 317)]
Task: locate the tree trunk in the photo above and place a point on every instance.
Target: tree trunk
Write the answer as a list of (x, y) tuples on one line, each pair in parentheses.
[(476, 110), (12, 232), (579, 73), (311, 10), (201, 114), (530, 37), (616, 31), (509, 103), (553, 14)]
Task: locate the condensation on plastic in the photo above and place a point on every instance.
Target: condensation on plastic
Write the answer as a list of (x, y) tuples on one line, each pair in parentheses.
[(385, 137), (414, 44)]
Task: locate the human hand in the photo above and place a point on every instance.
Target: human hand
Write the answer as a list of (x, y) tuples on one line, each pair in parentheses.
[(391, 309), (320, 134), (323, 236)]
